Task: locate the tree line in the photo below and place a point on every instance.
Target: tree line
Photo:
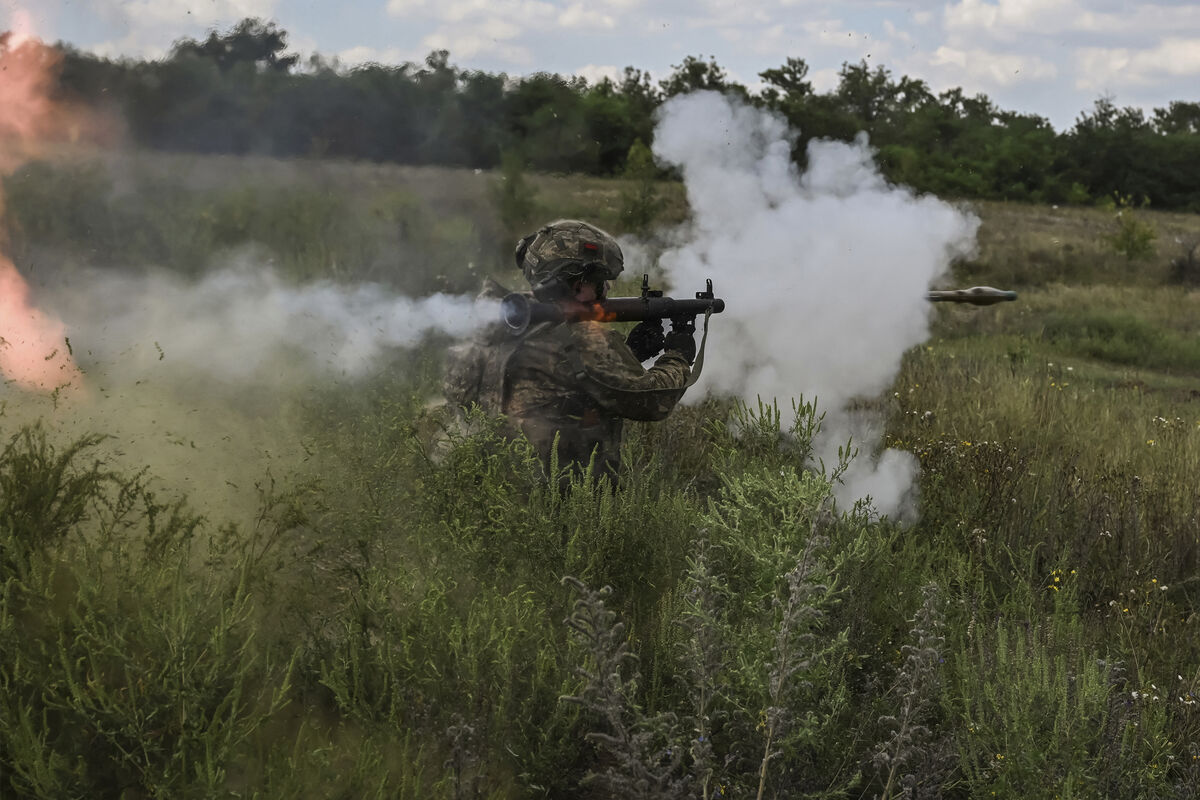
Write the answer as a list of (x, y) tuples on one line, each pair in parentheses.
[(239, 92)]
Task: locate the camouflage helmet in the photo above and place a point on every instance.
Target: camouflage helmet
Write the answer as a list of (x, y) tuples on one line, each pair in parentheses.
[(564, 251)]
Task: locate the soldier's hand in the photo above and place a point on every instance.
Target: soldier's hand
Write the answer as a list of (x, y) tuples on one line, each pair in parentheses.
[(682, 339), (646, 339)]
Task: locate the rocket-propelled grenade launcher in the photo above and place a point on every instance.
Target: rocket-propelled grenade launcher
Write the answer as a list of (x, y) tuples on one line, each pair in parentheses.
[(519, 312), (976, 296)]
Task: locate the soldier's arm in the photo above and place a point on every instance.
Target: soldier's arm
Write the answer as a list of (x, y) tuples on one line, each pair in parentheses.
[(616, 380)]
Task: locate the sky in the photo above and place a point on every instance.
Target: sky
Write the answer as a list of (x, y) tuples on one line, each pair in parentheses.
[(1053, 58)]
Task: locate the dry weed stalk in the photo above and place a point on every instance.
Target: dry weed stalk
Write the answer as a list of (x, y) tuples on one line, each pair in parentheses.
[(909, 754), (796, 645), (646, 761)]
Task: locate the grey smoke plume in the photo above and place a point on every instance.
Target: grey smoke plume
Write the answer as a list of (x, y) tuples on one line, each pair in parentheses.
[(824, 273), (244, 323), (204, 382)]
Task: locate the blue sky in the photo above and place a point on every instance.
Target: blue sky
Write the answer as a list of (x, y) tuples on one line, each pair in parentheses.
[(1048, 57)]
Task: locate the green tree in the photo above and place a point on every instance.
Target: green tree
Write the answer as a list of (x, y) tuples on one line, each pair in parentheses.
[(639, 199), (1102, 151), (696, 74), (1178, 117), (236, 91), (864, 93), (543, 112), (514, 198), (786, 86), (1131, 237), (640, 95), (250, 41)]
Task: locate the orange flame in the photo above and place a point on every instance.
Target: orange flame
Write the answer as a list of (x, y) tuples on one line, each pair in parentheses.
[(590, 312), (33, 346)]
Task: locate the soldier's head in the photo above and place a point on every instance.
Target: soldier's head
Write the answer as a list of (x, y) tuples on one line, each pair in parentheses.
[(566, 257)]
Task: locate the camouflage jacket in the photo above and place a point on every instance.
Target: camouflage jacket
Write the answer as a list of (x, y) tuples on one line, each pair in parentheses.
[(580, 381), (576, 381)]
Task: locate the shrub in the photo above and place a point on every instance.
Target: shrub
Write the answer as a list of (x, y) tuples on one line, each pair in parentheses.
[(513, 196), (1132, 238), (45, 493), (639, 198), (125, 672)]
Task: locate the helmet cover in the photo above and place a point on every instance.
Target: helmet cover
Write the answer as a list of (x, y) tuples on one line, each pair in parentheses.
[(565, 251)]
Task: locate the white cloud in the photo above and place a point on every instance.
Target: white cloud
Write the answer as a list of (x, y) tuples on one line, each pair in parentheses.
[(401, 8), (595, 74), (135, 44), (497, 29), (1007, 20), (302, 43), (150, 27), (489, 38), (904, 37), (993, 69), (372, 55), (1100, 68), (831, 33), (461, 10), (471, 10), (177, 13), (579, 15), (825, 80), (722, 16), (769, 41)]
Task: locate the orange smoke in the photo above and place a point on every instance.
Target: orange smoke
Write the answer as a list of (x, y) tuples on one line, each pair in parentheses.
[(33, 346)]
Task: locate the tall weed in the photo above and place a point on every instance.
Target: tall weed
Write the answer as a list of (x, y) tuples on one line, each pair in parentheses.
[(125, 671)]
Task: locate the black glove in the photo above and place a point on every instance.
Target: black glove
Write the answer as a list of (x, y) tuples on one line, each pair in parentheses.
[(682, 339), (646, 339)]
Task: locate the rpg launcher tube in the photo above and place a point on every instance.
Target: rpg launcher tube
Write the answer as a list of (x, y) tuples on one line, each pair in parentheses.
[(519, 312), (976, 296)]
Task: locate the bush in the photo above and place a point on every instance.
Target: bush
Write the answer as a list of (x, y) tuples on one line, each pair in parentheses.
[(45, 494), (513, 196), (124, 670), (639, 198), (1121, 338), (1132, 238)]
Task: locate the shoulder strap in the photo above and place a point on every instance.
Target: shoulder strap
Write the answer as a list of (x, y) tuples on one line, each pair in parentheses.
[(698, 364)]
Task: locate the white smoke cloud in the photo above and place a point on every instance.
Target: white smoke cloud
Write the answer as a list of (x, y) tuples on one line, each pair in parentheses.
[(206, 383), (244, 323), (824, 273)]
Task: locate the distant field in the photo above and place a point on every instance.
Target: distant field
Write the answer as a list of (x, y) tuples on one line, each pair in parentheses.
[(1019, 244)]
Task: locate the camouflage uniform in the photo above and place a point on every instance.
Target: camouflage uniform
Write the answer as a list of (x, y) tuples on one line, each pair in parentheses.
[(580, 382), (574, 381)]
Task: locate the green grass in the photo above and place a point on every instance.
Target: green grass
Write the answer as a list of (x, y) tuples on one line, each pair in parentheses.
[(391, 622)]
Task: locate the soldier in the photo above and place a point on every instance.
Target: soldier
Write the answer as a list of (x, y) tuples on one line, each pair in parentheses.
[(576, 383)]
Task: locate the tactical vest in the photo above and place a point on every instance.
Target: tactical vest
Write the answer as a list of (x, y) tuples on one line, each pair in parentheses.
[(476, 370)]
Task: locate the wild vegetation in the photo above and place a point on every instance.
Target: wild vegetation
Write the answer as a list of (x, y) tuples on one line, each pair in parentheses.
[(416, 612)]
